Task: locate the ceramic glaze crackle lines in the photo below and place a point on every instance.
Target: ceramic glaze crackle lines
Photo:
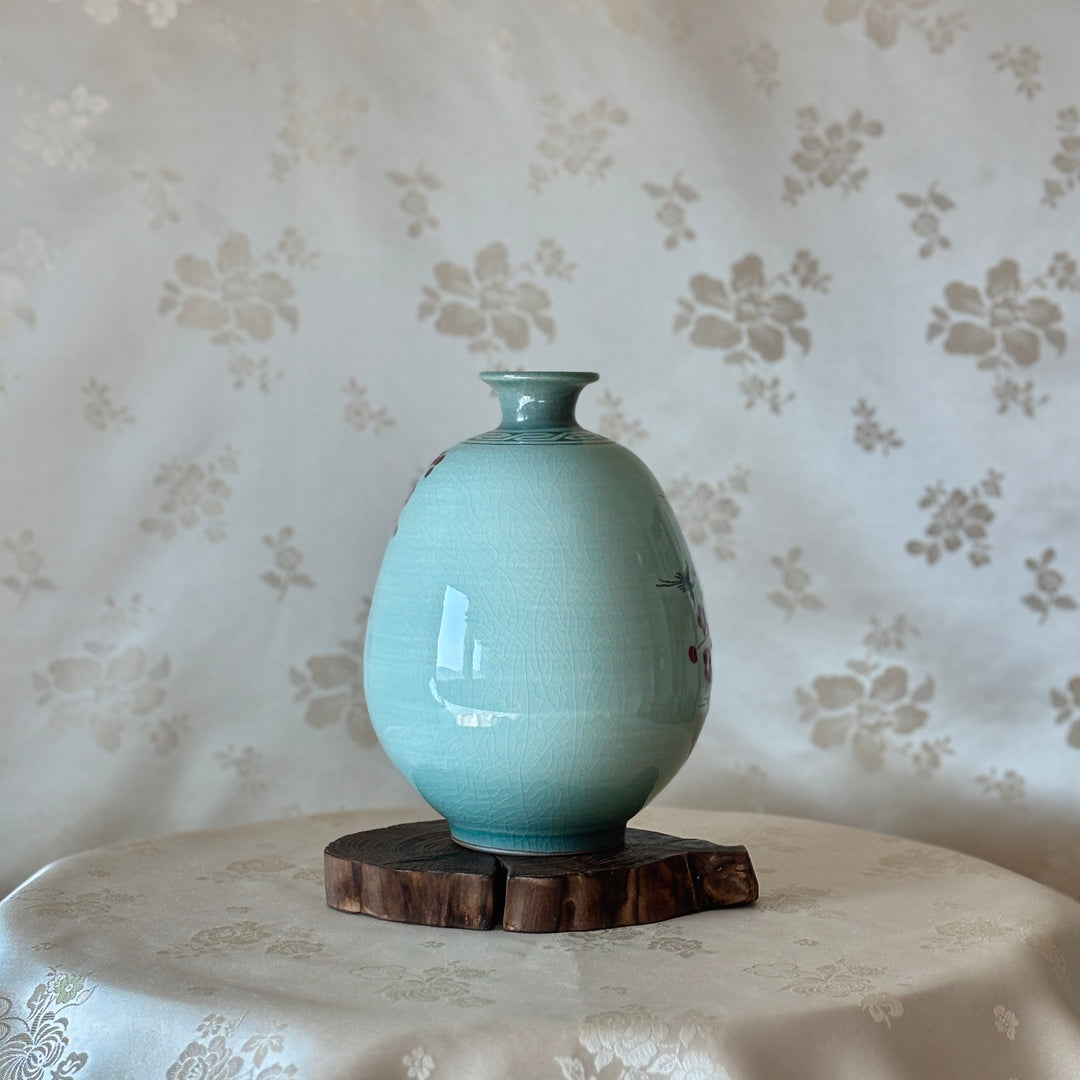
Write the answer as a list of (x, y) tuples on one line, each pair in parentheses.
[(537, 658)]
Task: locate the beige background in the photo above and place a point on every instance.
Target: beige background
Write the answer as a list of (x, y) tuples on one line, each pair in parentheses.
[(823, 254)]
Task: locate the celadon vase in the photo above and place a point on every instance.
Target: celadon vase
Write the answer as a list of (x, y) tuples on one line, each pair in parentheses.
[(537, 661)]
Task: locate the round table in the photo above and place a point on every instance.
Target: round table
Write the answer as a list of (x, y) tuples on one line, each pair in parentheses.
[(212, 956)]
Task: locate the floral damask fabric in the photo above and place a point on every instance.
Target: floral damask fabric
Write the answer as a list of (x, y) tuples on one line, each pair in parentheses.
[(824, 256), (866, 955)]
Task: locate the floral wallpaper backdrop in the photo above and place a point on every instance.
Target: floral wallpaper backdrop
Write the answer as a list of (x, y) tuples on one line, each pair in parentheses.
[(824, 254)]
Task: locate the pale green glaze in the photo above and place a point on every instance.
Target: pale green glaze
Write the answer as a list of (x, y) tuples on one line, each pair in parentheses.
[(537, 656)]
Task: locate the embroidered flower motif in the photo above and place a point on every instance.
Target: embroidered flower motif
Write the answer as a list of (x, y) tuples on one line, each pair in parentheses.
[(707, 512), (110, 688), (795, 582), (1048, 582), (574, 145), (333, 687), (34, 1046), (416, 188), (749, 319), (494, 305), (1067, 702), (316, 131), (614, 424), (215, 1059), (883, 19), (1006, 1022), (360, 413), (248, 766), (1009, 788), (1067, 159), (238, 297), (644, 1044), (869, 706), (287, 560), (419, 1063), (1024, 64), (763, 60), (234, 298), (101, 412), (29, 566), (926, 224), (827, 158), (959, 516), (54, 133), (671, 213), (869, 434), (193, 493)]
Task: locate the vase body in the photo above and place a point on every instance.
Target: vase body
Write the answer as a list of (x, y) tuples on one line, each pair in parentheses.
[(537, 660)]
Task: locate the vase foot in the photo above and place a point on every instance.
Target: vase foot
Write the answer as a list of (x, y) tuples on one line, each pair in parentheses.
[(505, 843)]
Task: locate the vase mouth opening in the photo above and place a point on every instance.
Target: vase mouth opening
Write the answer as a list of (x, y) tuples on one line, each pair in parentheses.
[(563, 378), (538, 399)]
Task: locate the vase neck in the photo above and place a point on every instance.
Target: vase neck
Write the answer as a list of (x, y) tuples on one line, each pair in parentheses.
[(537, 399)]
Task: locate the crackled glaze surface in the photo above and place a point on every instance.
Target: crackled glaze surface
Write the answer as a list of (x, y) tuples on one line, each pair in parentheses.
[(537, 660)]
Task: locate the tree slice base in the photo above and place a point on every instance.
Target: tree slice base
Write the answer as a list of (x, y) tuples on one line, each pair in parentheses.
[(414, 873)]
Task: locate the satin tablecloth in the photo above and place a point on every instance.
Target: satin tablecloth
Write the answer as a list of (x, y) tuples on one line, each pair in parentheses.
[(212, 956)]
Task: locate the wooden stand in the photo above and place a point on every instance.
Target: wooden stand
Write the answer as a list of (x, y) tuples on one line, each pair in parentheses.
[(415, 873)]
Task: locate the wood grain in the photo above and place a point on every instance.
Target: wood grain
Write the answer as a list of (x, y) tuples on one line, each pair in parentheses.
[(415, 873)]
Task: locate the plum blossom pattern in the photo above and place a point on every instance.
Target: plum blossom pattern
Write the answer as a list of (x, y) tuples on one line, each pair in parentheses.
[(111, 687), (701, 647), (1047, 595), (872, 706), (671, 213), (317, 132), (35, 1046), (763, 60), (238, 298), (643, 1043), (1067, 160), (287, 559), (575, 144), (195, 495), (1004, 326), (926, 224), (1024, 64), (416, 188), (750, 318), (707, 512), (869, 432), (882, 20), (55, 133), (827, 156), (360, 413), (793, 594), (1067, 703), (29, 574), (213, 1055), (959, 516), (494, 305), (332, 684)]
